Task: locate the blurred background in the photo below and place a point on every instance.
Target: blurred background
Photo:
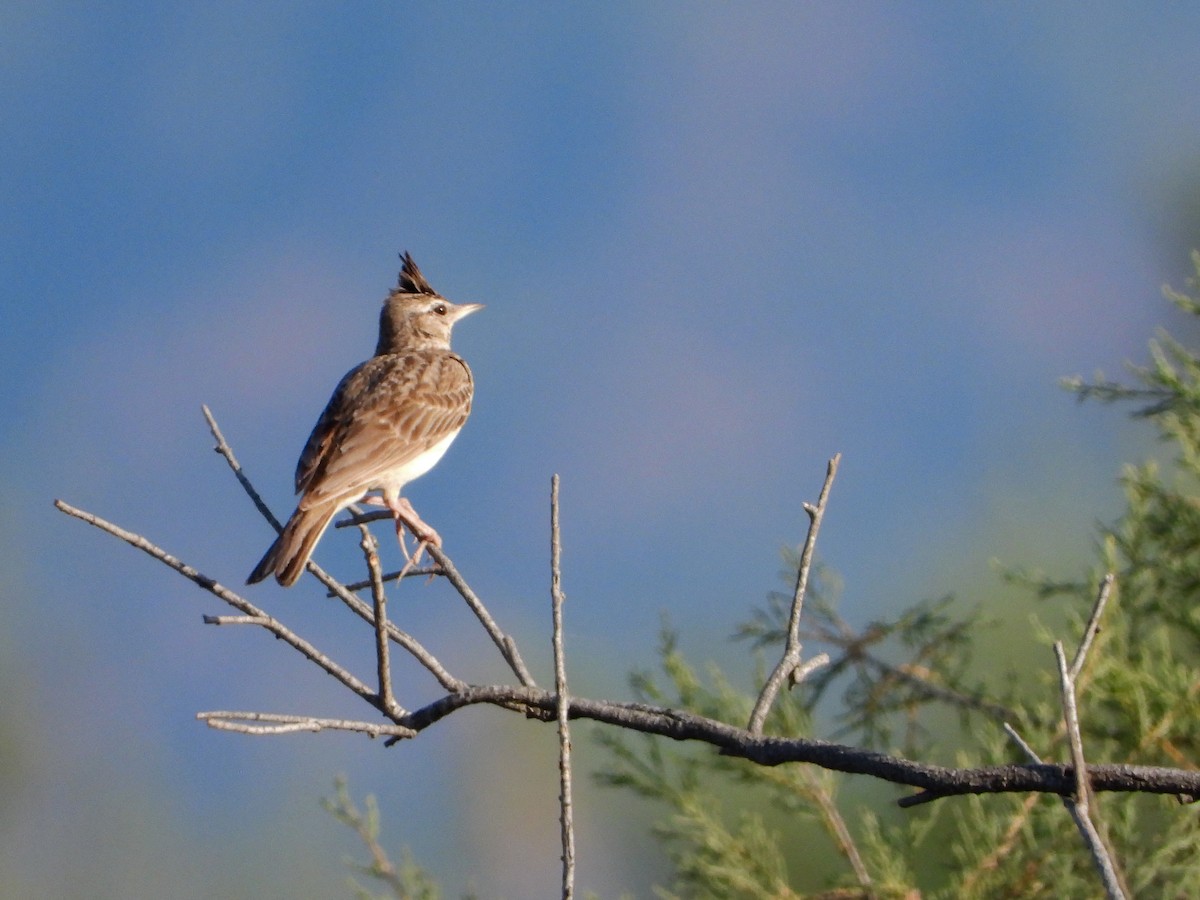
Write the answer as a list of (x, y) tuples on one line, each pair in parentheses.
[(717, 244)]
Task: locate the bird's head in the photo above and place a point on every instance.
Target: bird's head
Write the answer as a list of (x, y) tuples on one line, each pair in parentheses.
[(416, 317)]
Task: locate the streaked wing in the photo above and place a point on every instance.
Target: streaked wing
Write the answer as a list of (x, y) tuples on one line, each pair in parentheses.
[(312, 457), (383, 414)]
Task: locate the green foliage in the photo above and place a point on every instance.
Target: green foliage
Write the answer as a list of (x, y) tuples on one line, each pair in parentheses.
[(880, 697), (408, 881), (897, 683)]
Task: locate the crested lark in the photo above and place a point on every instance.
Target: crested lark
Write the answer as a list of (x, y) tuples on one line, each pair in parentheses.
[(389, 421)]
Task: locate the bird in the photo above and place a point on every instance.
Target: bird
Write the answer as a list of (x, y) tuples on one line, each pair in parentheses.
[(390, 420)]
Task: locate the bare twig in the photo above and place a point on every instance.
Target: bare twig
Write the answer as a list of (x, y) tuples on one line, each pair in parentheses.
[(789, 667), (1016, 738), (360, 516), (383, 666), (841, 833), (226, 451), (563, 705), (405, 640), (282, 723), (266, 621), (1081, 802), (1078, 802), (816, 514), (506, 645), (809, 666), (1071, 717), (1093, 625), (235, 620), (406, 571)]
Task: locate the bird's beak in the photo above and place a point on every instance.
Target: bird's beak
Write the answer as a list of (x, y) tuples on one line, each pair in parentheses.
[(462, 310)]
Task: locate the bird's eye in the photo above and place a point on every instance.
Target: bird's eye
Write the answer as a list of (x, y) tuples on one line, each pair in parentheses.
[(440, 309)]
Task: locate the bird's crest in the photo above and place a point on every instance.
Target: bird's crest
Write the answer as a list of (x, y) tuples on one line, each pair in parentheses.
[(411, 280)]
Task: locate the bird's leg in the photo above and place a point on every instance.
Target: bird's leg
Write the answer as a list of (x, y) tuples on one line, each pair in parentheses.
[(373, 500)]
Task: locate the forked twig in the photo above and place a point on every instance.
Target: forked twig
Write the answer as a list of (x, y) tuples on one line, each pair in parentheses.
[(401, 637), (789, 667), (1078, 801), (446, 568)]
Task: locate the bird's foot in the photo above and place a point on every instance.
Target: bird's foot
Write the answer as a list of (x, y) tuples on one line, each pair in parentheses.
[(406, 516)]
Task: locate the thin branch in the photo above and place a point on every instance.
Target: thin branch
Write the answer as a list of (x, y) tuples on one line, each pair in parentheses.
[(841, 833), (1071, 717), (405, 640), (226, 451), (816, 514), (406, 572), (1093, 625), (1081, 802), (282, 723), (809, 666), (1083, 824), (383, 666), (563, 705), (1016, 738), (235, 620), (267, 622), (506, 645), (788, 668)]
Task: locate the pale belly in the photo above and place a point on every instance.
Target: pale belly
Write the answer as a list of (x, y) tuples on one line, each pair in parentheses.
[(414, 468)]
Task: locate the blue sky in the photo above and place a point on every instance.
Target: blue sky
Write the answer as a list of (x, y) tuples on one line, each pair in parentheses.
[(718, 244)]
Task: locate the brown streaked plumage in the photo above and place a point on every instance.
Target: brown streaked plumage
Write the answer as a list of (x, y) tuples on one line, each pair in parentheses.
[(389, 421)]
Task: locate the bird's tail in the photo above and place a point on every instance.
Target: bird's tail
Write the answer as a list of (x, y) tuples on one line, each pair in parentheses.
[(286, 558)]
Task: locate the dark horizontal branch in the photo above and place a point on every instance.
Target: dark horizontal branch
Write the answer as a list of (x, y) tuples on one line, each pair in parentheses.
[(934, 781)]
